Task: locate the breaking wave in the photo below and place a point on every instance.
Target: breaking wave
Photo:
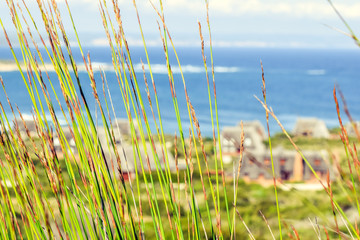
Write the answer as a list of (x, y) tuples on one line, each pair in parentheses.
[(163, 69), (156, 68), (316, 72)]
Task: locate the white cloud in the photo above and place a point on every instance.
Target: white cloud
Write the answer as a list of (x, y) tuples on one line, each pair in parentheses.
[(243, 23), (89, 3), (216, 43), (302, 8), (79, 1), (101, 42), (299, 8), (243, 44)]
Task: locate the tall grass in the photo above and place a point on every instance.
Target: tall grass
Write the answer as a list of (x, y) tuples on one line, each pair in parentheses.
[(84, 193)]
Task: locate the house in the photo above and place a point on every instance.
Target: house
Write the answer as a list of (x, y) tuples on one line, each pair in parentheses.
[(30, 126), (230, 139), (288, 166), (254, 167), (122, 126), (258, 165), (351, 130), (126, 161), (256, 161), (66, 134), (311, 127), (67, 138), (254, 135), (104, 136), (144, 158), (256, 124), (132, 161), (317, 161)]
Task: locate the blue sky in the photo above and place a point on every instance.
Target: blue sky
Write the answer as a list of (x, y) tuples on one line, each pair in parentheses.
[(234, 23)]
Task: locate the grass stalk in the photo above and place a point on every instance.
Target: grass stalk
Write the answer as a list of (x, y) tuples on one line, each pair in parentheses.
[(271, 155)]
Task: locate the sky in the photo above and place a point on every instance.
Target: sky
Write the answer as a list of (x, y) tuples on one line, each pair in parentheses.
[(234, 23)]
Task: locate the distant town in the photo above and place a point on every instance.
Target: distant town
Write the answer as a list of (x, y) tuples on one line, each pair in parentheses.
[(255, 157)]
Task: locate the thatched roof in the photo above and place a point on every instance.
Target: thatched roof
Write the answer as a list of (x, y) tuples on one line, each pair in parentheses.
[(123, 126), (253, 137), (256, 124), (129, 160), (30, 125), (311, 127), (350, 128), (68, 137)]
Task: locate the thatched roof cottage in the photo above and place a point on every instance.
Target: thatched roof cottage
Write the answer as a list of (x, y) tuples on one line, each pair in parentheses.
[(288, 165), (67, 137), (254, 136), (311, 127), (131, 162), (256, 161), (351, 130), (122, 126), (30, 125), (257, 126)]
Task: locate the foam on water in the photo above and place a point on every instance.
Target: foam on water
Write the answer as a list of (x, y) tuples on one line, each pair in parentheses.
[(316, 72), (156, 68)]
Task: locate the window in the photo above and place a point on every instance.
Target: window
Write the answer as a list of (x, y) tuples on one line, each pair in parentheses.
[(317, 162), (285, 175), (307, 133)]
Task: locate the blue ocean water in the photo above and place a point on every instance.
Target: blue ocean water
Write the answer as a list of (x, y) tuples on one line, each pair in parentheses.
[(299, 83)]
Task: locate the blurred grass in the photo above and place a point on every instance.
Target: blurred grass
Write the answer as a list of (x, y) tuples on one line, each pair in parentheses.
[(296, 206), (46, 194)]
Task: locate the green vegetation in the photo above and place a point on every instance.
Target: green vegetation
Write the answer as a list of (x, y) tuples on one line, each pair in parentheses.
[(308, 143), (75, 194)]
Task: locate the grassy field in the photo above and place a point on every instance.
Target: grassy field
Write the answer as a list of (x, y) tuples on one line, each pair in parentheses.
[(74, 195), (302, 210)]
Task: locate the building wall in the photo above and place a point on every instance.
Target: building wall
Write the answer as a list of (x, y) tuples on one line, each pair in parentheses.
[(288, 166)]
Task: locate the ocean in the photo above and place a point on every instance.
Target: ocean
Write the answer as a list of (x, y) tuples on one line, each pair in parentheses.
[(299, 83)]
